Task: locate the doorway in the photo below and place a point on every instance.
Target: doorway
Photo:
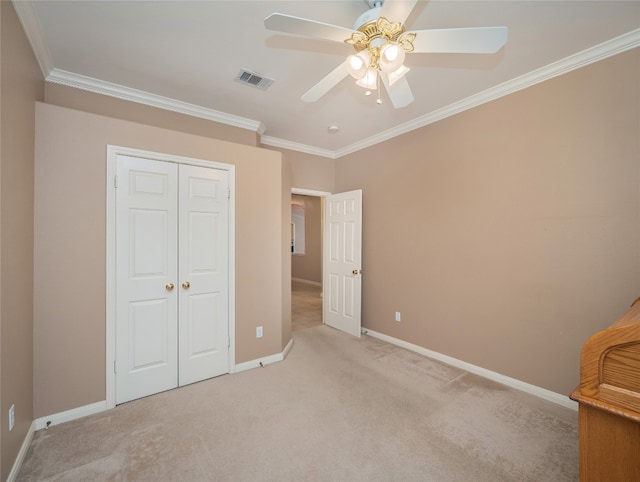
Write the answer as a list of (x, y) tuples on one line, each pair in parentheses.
[(306, 258), (341, 261)]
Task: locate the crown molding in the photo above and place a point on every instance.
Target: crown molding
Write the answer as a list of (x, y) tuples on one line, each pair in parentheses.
[(29, 20), (309, 192), (602, 51), (90, 84), (295, 146), (33, 31)]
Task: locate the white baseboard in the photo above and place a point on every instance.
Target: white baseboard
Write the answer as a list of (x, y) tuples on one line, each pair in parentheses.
[(69, 415), (306, 281), (26, 443), (75, 413), (543, 393), (258, 362), (287, 349), (98, 407)]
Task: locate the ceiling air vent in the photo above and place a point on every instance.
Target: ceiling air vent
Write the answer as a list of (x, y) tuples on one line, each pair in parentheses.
[(253, 79)]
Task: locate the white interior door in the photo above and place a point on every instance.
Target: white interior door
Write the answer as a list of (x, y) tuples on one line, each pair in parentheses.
[(172, 275), (342, 279), (204, 271), (147, 304)]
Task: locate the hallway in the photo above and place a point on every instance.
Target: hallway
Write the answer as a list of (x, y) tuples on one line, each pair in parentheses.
[(306, 305)]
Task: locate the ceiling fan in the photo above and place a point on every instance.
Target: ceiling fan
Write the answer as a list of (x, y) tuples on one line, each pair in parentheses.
[(381, 41)]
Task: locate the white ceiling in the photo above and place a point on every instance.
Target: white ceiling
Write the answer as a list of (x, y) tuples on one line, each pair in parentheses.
[(184, 55)]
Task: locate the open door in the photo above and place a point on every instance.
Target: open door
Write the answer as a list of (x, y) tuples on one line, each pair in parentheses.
[(342, 277)]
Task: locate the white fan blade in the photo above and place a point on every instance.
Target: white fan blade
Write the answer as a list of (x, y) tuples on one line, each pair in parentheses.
[(399, 93), (398, 10), (326, 84), (307, 28), (474, 40)]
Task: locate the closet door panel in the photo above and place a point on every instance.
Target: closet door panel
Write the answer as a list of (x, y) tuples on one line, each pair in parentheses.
[(147, 306), (204, 271)]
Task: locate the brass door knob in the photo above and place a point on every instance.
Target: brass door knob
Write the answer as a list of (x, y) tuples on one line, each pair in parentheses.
[(356, 271), (186, 285), (169, 286)]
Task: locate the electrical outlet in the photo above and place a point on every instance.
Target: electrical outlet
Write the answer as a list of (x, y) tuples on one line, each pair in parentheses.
[(12, 417), (398, 318), (259, 332)]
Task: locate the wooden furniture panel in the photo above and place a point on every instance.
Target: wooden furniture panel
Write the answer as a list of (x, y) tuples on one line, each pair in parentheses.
[(609, 446), (609, 402)]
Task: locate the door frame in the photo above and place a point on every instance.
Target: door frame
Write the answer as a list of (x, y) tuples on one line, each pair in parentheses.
[(111, 164)]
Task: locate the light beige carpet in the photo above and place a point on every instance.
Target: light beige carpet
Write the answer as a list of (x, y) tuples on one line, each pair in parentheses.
[(337, 409), (306, 306)]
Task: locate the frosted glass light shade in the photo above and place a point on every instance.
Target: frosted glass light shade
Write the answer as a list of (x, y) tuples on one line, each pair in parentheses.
[(358, 64), (370, 79), (391, 58), (397, 74)]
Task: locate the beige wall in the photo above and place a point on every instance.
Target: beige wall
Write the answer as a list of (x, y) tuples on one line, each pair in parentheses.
[(21, 84), (308, 171), (309, 266), (121, 109), (508, 234), (70, 190)]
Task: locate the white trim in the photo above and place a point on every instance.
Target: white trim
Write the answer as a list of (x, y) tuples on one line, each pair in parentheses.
[(296, 146), (90, 84), (69, 415), (22, 453), (539, 392), (309, 192), (287, 348), (112, 153), (278, 357), (38, 43), (232, 269), (306, 281), (607, 49), (33, 31), (110, 311)]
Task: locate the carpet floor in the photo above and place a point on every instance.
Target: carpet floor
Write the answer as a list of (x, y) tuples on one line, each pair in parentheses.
[(337, 409)]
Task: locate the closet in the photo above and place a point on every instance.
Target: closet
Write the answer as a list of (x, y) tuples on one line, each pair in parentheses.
[(172, 275)]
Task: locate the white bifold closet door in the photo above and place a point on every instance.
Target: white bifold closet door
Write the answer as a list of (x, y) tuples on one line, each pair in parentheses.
[(172, 275)]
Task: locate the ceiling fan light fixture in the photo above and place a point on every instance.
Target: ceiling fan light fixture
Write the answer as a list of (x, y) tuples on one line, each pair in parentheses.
[(381, 45), (370, 79), (391, 57)]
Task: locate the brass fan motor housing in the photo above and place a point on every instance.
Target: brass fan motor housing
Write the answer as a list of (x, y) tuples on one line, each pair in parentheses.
[(391, 32)]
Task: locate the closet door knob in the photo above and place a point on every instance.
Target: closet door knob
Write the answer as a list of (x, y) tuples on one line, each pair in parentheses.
[(186, 285), (169, 286)]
